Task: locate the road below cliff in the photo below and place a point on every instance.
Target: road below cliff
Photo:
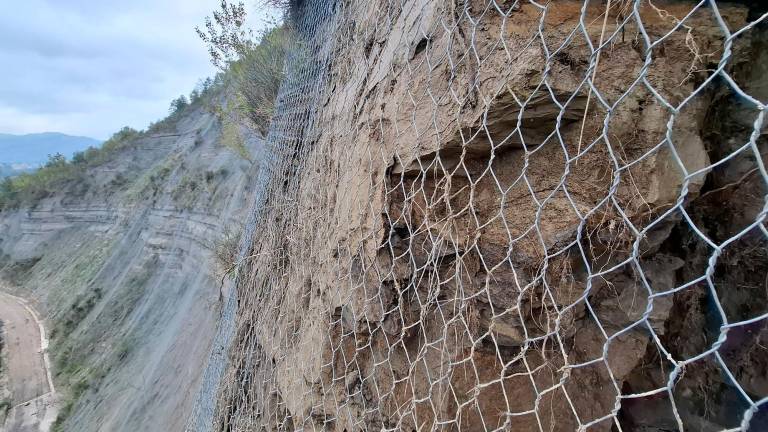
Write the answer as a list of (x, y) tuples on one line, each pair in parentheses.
[(32, 390)]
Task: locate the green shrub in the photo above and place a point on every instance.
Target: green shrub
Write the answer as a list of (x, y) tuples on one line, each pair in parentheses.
[(232, 139), (76, 391), (226, 248), (5, 406), (72, 317), (258, 75), (178, 105), (253, 66)]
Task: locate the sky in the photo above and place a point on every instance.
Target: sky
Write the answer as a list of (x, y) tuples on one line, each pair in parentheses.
[(90, 67)]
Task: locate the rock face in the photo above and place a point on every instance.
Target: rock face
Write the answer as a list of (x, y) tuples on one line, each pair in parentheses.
[(491, 227), (125, 274)]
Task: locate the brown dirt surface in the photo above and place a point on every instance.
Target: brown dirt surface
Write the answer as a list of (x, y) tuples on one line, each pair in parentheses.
[(451, 252), (31, 391)]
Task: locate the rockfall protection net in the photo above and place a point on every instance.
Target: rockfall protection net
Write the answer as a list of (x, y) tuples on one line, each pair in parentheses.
[(508, 215)]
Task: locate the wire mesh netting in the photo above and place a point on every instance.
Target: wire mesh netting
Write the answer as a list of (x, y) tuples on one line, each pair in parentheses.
[(506, 215)]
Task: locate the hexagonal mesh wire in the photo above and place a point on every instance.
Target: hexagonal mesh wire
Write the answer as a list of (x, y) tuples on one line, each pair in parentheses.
[(507, 215)]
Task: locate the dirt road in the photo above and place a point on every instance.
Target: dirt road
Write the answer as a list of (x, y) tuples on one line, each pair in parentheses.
[(32, 391)]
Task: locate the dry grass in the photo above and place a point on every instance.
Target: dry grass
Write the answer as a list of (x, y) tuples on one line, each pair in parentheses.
[(258, 75)]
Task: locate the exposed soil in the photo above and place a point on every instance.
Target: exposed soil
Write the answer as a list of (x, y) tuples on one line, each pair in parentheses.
[(32, 394), (461, 251)]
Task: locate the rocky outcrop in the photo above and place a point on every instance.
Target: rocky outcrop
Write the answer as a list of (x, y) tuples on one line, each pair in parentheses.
[(479, 240), (125, 274)]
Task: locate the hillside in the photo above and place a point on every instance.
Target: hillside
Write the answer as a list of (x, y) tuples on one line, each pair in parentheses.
[(117, 251), (34, 149)]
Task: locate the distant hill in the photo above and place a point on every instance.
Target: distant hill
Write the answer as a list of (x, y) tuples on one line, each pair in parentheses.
[(9, 170), (33, 149)]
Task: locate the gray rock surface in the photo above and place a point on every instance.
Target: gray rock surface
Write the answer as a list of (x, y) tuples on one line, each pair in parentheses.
[(125, 275)]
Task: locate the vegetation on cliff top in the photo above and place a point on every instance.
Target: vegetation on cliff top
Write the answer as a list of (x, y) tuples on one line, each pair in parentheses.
[(28, 189), (253, 65)]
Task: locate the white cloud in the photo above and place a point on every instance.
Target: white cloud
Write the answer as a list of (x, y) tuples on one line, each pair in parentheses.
[(89, 67)]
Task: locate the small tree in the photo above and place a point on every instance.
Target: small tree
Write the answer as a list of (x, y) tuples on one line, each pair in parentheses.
[(8, 193), (179, 104), (79, 158), (206, 85), (253, 65), (56, 161), (194, 96), (225, 34), (119, 139)]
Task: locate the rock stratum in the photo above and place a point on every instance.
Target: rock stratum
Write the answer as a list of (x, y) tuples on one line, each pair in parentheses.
[(121, 267), (476, 222)]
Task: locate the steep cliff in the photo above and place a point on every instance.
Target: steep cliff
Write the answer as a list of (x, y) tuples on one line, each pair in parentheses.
[(121, 264), (501, 215)]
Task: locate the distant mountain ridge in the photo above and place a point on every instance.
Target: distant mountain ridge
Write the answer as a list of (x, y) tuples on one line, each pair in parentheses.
[(10, 170), (33, 149)]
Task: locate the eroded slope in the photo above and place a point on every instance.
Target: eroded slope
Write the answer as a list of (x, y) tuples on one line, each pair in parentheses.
[(483, 227), (122, 266)]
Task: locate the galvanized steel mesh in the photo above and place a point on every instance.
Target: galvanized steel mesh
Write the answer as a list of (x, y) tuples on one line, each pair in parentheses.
[(509, 215)]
